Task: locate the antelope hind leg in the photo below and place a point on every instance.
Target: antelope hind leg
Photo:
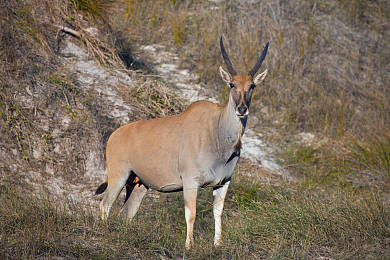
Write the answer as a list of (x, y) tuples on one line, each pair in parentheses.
[(116, 179), (219, 194), (132, 204)]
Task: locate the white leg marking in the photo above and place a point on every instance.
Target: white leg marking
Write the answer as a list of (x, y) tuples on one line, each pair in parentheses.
[(219, 199), (190, 195), (190, 222), (187, 213)]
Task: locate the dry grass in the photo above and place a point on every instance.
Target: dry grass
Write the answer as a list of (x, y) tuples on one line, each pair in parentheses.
[(259, 222), (152, 98)]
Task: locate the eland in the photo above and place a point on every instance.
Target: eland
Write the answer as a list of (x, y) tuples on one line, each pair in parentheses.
[(197, 148)]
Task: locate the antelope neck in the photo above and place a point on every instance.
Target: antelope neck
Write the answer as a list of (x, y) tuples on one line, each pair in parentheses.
[(230, 126)]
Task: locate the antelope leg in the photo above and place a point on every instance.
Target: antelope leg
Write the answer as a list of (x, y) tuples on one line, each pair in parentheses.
[(117, 176), (132, 204), (190, 194), (219, 194)]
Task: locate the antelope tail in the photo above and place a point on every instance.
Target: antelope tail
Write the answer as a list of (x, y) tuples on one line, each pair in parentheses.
[(102, 187)]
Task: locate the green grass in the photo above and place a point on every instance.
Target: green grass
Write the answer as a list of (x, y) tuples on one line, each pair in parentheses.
[(373, 154), (95, 8), (317, 166), (347, 162), (260, 221)]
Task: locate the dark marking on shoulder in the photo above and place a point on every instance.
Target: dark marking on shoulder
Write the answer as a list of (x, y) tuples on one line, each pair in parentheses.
[(236, 152)]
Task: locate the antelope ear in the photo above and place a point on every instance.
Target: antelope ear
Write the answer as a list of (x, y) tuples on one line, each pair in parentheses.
[(259, 78), (225, 75)]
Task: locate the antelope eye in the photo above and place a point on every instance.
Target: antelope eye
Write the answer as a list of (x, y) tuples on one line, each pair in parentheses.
[(252, 86), (231, 85)]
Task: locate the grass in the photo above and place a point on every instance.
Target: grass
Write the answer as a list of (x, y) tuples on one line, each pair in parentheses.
[(260, 221), (351, 163), (152, 99), (318, 165), (373, 154)]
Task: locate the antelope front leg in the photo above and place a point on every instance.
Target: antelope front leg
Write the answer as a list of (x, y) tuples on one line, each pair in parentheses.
[(190, 194), (219, 194)]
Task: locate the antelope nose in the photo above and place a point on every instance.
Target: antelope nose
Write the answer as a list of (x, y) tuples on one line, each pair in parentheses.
[(242, 110)]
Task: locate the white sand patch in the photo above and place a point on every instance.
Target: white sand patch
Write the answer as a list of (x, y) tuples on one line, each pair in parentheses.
[(181, 79), (306, 138), (91, 75), (257, 151)]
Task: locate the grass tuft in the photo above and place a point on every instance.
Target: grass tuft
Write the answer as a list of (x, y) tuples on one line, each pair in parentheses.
[(373, 155), (260, 221)]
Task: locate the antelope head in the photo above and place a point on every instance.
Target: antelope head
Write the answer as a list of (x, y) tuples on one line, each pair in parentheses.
[(241, 87)]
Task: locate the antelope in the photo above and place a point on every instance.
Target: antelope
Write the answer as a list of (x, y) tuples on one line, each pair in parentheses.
[(197, 148)]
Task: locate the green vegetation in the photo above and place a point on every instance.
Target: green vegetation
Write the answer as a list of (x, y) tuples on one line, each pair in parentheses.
[(95, 8), (373, 155), (260, 221)]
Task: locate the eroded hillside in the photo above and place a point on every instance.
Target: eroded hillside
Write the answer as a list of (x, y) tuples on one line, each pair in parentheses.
[(62, 96)]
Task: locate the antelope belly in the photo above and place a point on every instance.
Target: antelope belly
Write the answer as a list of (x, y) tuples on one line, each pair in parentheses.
[(158, 179), (218, 174)]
